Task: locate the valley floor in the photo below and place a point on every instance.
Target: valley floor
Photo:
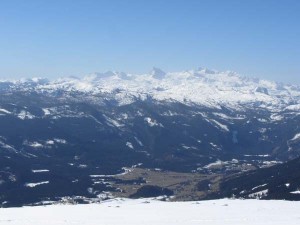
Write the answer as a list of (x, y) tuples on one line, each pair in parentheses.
[(149, 212)]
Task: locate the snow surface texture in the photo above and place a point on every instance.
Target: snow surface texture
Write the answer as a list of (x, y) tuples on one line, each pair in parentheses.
[(205, 87), (149, 212)]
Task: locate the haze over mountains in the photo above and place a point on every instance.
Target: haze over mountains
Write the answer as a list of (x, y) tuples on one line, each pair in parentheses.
[(62, 138)]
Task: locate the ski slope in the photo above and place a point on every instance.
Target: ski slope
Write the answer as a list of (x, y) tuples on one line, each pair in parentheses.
[(150, 212)]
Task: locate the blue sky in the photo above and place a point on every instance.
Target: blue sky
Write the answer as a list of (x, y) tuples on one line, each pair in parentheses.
[(71, 37)]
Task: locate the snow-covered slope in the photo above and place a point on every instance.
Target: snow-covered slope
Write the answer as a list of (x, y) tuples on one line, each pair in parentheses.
[(149, 212)]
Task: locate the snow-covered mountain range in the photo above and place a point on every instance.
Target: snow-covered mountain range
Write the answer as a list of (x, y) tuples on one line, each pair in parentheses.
[(74, 131), (204, 87)]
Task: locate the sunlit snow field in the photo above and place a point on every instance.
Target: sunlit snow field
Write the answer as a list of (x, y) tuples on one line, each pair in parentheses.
[(152, 212)]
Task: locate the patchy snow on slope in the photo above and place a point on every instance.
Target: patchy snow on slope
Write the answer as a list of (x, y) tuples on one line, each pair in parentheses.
[(113, 123), (82, 166), (264, 156), (214, 164), (296, 137), (150, 212), (259, 186), (5, 111), (60, 141), (40, 171), (259, 194), (25, 115), (33, 144), (139, 141), (276, 117), (32, 185), (50, 142), (46, 111), (221, 126), (293, 107), (152, 122), (129, 145), (185, 146), (6, 146), (126, 171), (262, 120), (226, 117), (216, 147)]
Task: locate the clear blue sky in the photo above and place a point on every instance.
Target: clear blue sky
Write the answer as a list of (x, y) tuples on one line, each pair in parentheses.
[(52, 38)]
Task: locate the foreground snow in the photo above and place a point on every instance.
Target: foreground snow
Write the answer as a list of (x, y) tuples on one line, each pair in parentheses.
[(149, 212)]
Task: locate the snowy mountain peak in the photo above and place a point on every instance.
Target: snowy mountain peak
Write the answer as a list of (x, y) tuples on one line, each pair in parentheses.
[(157, 73), (98, 76), (262, 90), (38, 80), (206, 71)]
